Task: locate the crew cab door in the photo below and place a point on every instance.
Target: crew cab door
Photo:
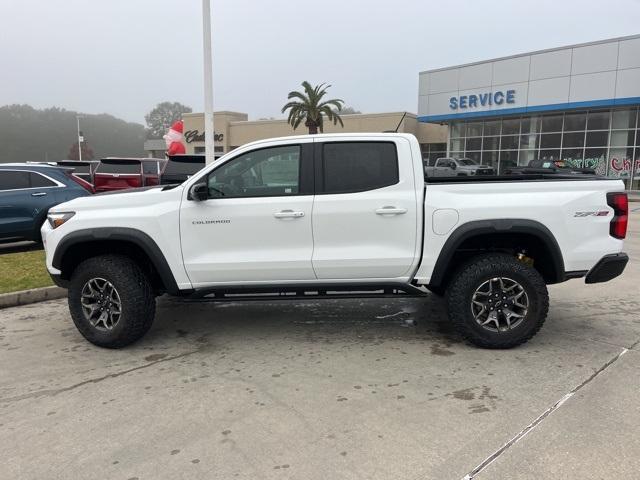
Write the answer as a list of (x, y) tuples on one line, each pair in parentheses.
[(255, 224), (365, 214)]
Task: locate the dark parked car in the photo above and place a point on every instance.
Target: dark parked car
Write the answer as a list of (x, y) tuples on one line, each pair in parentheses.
[(27, 191), (180, 167)]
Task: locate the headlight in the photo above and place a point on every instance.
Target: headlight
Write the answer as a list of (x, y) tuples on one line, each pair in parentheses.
[(57, 219)]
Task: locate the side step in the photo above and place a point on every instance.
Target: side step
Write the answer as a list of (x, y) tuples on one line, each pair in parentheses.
[(242, 293)]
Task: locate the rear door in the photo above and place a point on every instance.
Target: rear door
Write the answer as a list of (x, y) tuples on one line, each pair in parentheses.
[(365, 212)]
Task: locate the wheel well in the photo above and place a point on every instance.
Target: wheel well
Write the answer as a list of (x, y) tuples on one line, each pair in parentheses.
[(80, 252), (512, 243)]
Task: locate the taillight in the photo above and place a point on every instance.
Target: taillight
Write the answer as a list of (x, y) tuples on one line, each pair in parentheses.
[(620, 204)]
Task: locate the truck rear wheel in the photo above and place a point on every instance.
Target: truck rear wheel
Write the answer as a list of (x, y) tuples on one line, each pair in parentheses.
[(495, 301), (111, 301)]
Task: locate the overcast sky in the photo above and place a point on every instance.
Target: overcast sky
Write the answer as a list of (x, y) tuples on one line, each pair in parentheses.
[(124, 56)]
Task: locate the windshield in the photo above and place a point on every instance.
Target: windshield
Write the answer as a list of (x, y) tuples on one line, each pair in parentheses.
[(466, 161)]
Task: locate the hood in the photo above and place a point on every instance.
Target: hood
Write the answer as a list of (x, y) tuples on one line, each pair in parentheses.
[(130, 198)]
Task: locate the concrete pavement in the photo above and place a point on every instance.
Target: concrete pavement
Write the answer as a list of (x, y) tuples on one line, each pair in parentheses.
[(326, 389)]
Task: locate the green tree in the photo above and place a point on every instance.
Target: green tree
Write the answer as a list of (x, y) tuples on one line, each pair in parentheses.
[(163, 116), (310, 108)]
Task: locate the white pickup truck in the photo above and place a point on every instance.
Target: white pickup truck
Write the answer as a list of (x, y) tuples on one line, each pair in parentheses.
[(332, 215)]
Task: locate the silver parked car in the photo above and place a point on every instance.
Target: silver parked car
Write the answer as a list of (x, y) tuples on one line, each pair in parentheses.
[(456, 167)]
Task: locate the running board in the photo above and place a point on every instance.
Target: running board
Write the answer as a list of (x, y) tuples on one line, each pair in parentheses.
[(242, 293)]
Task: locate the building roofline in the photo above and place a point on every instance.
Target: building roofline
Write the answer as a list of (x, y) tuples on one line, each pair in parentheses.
[(280, 120), (535, 52)]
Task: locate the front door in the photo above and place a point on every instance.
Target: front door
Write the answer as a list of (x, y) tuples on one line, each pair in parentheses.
[(365, 214), (256, 223)]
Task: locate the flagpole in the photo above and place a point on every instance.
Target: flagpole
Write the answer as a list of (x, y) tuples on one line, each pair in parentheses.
[(209, 141)]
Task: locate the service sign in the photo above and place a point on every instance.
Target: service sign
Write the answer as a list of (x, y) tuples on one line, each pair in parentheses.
[(485, 99)]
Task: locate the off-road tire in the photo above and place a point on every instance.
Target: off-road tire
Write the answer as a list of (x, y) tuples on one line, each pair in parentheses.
[(138, 304), (480, 269)]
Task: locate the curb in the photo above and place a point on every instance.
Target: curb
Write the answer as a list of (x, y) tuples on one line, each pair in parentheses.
[(24, 297)]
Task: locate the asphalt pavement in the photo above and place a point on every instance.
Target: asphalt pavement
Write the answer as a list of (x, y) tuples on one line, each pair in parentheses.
[(319, 389)]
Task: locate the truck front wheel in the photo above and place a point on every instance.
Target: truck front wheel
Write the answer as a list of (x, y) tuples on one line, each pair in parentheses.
[(496, 301), (111, 301)]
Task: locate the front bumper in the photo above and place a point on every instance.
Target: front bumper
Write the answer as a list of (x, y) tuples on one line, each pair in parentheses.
[(609, 267)]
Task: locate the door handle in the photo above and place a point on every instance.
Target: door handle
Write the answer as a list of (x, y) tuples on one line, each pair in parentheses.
[(39, 194), (288, 214), (390, 210)]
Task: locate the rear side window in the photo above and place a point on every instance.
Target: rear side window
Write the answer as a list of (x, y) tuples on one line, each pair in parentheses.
[(38, 181), (359, 166), (13, 180)]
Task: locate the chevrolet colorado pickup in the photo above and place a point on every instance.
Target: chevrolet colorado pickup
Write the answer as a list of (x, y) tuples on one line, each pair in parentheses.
[(331, 215)]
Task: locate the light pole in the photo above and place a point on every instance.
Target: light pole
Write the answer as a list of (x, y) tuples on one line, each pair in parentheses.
[(209, 141), (80, 137)]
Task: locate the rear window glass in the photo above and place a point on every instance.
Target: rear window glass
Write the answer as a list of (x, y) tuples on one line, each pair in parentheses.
[(118, 168), (150, 167), (183, 167), (359, 166)]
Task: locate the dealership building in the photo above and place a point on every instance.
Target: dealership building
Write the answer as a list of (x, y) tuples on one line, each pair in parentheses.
[(577, 103)]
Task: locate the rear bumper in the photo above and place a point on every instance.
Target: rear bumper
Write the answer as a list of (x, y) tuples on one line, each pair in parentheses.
[(609, 267)]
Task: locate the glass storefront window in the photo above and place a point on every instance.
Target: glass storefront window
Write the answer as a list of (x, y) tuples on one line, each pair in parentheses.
[(529, 141), (509, 142), (508, 158), (491, 143), (530, 125), (511, 126), (622, 119), (474, 143), (575, 121), (573, 140), (490, 158), (492, 128), (550, 140), (596, 158), (526, 156), (552, 123), (573, 156), (622, 138), (549, 155), (597, 139), (621, 163), (458, 129), (598, 121), (457, 144), (474, 129)]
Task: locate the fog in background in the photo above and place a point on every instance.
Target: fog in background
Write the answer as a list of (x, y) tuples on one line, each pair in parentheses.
[(124, 56)]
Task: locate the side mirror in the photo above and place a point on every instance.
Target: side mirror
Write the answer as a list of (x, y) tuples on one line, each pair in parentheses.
[(199, 192), (453, 166)]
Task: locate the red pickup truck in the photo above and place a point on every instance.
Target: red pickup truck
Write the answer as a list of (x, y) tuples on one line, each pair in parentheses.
[(123, 173)]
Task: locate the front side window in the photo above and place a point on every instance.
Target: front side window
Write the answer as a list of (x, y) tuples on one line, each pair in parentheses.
[(359, 166), (268, 172)]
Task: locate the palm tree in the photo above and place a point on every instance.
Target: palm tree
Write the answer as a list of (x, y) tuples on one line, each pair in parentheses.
[(311, 109)]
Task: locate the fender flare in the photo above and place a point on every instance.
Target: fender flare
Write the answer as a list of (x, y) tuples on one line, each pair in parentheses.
[(483, 227), (131, 235)]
